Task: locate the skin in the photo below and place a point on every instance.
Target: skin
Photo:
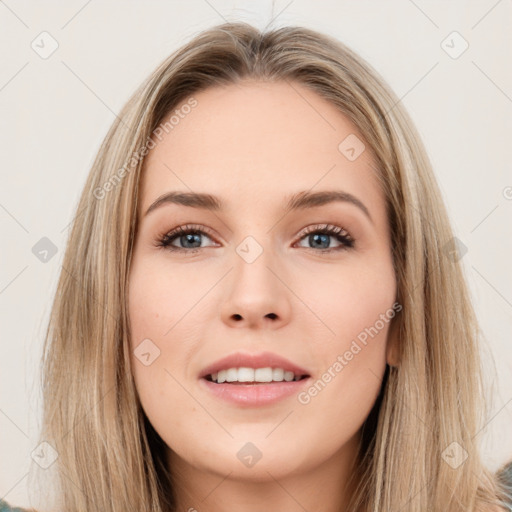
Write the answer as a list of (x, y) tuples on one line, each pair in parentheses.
[(253, 144)]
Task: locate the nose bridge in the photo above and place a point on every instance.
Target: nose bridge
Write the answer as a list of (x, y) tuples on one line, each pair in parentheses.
[(255, 292), (254, 259)]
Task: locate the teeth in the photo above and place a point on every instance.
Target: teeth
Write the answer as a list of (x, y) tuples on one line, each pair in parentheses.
[(231, 375), (288, 376), (244, 374), (254, 375), (278, 374)]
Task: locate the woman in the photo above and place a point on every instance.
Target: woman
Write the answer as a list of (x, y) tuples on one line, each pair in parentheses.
[(317, 349)]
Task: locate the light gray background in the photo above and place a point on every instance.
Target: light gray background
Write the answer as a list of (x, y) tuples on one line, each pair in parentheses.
[(55, 112)]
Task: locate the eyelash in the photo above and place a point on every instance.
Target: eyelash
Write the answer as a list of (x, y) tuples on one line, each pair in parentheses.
[(341, 234)]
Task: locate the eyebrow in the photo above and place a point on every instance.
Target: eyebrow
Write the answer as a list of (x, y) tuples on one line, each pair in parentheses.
[(297, 201)]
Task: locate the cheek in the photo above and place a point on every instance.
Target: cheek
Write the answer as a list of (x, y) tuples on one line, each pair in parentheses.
[(157, 300), (350, 299), (356, 307), (165, 305), (160, 296)]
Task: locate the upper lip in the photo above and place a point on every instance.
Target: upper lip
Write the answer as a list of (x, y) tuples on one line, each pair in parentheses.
[(260, 360)]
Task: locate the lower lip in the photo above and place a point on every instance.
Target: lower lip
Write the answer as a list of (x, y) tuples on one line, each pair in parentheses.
[(253, 395)]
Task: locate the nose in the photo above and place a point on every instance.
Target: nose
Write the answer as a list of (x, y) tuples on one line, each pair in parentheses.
[(256, 295)]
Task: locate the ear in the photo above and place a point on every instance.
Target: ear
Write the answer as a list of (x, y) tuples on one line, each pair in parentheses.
[(393, 343)]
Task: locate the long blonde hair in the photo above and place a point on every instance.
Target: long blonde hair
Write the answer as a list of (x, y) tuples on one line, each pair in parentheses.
[(109, 456)]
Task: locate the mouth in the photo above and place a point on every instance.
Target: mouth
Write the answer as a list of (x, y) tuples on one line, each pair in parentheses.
[(253, 380), (254, 376), (251, 393)]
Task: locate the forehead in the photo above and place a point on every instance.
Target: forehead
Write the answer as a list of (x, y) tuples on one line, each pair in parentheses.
[(253, 142)]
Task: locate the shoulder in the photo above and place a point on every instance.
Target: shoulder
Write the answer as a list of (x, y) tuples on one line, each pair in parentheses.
[(5, 507), (504, 476)]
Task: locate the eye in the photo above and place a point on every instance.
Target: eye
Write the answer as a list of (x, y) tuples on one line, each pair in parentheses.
[(189, 235), (319, 236), (190, 238)]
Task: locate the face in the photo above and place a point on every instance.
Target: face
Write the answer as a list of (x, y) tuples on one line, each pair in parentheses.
[(260, 275)]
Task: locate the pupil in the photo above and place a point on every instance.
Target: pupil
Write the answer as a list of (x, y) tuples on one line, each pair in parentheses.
[(317, 239), (189, 238), (317, 236)]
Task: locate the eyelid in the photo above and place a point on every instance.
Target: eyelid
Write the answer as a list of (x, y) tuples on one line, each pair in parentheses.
[(331, 230), (324, 226), (184, 228)]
